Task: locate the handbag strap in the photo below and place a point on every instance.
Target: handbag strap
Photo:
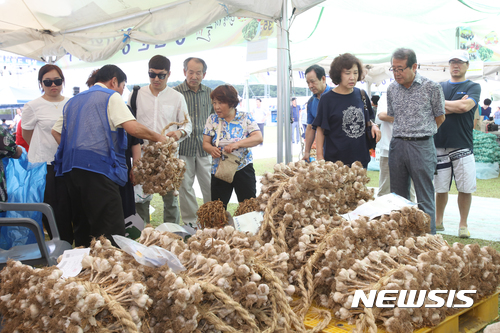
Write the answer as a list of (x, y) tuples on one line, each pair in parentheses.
[(365, 111), (219, 128)]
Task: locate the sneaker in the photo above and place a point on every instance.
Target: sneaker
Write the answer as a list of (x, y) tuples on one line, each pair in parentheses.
[(463, 232), (440, 227)]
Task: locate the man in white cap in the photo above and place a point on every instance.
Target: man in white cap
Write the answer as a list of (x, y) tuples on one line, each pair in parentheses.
[(454, 142)]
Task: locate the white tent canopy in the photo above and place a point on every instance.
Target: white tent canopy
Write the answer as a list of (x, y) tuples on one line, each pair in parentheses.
[(95, 30)]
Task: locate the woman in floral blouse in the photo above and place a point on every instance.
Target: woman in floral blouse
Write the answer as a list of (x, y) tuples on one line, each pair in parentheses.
[(238, 133)]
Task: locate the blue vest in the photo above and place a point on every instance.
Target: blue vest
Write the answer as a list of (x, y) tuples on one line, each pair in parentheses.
[(87, 141)]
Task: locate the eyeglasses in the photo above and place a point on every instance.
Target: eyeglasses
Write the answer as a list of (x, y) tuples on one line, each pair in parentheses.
[(398, 70), (457, 62), (48, 83), (160, 76)]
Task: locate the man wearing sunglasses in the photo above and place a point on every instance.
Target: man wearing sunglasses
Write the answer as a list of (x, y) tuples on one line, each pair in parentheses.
[(454, 142), (417, 105), (157, 106)]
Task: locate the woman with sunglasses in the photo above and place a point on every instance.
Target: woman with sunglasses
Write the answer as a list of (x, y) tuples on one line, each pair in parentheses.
[(39, 116)]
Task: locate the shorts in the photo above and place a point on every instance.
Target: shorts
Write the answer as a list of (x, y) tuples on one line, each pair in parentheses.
[(455, 163)]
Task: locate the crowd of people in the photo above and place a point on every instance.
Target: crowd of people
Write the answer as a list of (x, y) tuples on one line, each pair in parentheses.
[(90, 142), (426, 129)]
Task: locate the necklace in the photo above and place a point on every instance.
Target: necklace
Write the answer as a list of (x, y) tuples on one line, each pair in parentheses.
[(56, 104)]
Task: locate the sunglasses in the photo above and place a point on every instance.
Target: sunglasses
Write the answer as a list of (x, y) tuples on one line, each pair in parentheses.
[(48, 83), (160, 76)]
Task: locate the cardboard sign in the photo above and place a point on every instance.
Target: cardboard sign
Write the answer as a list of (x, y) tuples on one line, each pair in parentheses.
[(380, 206), (249, 222), (71, 263)]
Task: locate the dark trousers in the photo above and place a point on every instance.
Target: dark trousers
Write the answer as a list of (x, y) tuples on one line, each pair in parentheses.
[(261, 127), (417, 161), (244, 184), (56, 195), (128, 199), (96, 200)]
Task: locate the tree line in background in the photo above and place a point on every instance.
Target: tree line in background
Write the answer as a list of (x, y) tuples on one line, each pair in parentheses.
[(256, 90)]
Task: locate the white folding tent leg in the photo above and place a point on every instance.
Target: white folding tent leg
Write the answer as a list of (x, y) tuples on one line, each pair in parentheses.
[(283, 119)]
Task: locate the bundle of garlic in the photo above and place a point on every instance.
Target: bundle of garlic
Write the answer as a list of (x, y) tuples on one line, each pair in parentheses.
[(233, 282), (318, 255), (212, 215), (159, 170), (301, 194), (107, 295), (422, 263), (247, 206)]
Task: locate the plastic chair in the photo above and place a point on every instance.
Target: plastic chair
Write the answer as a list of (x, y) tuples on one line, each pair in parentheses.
[(41, 253)]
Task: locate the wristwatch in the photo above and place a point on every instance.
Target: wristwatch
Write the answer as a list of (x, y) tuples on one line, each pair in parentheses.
[(183, 133)]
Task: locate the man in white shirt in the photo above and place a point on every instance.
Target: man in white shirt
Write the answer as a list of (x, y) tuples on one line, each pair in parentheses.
[(157, 106), (382, 150), (260, 115)]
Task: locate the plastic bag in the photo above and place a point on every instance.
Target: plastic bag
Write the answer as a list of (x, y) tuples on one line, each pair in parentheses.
[(139, 195), (487, 170), (373, 165), (151, 256), (25, 184)]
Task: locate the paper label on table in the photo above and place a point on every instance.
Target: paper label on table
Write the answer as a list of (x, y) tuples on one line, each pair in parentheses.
[(71, 263), (248, 222), (152, 256), (174, 228), (380, 206)]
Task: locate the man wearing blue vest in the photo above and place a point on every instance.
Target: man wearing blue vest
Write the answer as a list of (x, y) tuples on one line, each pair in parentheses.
[(91, 154)]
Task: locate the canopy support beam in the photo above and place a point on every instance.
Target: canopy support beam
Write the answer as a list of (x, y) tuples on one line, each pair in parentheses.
[(283, 118)]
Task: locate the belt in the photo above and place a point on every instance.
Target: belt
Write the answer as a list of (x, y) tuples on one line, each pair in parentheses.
[(420, 138)]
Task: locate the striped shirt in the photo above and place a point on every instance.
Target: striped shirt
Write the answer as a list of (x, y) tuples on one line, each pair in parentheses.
[(199, 107)]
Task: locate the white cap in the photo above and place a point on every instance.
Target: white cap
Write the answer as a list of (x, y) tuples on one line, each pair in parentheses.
[(460, 55)]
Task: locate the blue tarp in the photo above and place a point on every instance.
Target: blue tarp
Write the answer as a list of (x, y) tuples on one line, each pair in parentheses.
[(25, 184)]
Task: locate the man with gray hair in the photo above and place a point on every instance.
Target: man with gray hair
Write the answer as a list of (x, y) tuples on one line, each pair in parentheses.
[(198, 162), (417, 105)]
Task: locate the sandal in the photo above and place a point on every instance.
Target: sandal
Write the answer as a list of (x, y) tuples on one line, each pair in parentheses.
[(440, 227), (463, 232)]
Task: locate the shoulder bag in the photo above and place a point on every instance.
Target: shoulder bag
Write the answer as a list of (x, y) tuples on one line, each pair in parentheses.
[(371, 142), (228, 163)]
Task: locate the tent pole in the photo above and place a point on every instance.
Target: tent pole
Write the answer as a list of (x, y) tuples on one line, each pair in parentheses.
[(284, 88)]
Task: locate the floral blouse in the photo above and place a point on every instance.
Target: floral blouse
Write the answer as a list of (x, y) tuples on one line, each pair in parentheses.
[(237, 129)]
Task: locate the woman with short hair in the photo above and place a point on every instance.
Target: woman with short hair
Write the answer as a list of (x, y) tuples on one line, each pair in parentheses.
[(341, 119), (238, 132)]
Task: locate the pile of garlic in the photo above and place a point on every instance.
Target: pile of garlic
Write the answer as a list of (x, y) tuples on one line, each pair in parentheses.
[(422, 263), (159, 170), (234, 282), (301, 194), (109, 294)]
